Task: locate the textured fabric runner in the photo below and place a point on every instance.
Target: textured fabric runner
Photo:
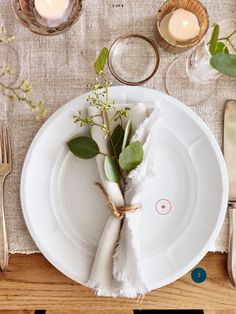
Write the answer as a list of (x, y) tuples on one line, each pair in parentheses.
[(60, 67)]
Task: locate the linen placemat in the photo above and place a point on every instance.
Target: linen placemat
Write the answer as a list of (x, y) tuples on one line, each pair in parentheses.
[(60, 67)]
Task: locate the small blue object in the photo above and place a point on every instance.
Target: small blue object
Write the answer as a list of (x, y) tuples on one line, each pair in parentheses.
[(199, 275)]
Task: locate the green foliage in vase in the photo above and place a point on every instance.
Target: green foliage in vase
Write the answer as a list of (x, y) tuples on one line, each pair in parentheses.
[(221, 59), (19, 92), (123, 157)]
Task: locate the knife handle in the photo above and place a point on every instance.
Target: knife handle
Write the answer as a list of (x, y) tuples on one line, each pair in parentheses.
[(232, 244)]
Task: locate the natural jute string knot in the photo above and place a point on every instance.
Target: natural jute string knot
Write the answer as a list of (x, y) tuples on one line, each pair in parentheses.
[(117, 211)]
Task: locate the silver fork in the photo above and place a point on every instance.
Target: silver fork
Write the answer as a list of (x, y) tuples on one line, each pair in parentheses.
[(5, 169)]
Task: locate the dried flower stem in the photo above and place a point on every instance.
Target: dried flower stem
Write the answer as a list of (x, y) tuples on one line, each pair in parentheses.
[(19, 92), (4, 37)]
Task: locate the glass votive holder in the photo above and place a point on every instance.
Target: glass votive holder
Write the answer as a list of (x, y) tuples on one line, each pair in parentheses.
[(133, 59), (29, 17), (165, 11)]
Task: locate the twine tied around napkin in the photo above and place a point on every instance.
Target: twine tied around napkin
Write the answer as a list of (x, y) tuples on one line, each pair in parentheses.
[(117, 211)]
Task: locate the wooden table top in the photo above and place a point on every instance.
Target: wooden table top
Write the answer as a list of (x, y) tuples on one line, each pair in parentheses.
[(31, 282)]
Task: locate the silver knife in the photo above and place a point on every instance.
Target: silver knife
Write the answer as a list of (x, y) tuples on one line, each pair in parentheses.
[(230, 159)]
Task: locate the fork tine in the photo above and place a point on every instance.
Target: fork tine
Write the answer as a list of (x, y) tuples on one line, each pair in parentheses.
[(8, 146), (4, 148)]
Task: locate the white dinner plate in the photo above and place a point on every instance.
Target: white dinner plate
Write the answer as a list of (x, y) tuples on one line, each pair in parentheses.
[(184, 203)]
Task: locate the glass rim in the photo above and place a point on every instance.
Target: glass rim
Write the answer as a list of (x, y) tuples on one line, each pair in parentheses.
[(119, 40)]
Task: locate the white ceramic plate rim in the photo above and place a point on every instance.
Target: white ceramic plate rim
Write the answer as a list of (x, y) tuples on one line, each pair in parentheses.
[(222, 168)]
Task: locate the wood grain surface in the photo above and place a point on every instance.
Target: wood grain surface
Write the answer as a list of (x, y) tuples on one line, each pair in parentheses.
[(229, 311), (32, 283)]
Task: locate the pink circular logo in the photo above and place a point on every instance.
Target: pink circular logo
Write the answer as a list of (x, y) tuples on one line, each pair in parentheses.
[(163, 206)]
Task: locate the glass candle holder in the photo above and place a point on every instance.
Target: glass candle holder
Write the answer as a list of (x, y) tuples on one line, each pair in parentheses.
[(193, 6), (28, 16), (133, 59)]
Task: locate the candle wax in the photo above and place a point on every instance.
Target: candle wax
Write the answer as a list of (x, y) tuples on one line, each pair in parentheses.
[(183, 25), (164, 29), (51, 9)]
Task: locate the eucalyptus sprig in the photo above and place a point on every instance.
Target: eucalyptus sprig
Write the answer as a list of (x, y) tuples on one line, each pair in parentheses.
[(4, 36), (221, 59), (21, 91), (123, 156)]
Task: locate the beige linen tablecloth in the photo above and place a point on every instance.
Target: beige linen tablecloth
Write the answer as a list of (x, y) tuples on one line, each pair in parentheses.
[(60, 68)]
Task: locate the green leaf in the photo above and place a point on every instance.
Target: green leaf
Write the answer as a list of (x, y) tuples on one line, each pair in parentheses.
[(83, 147), (101, 61), (131, 156), (221, 48), (225, 50), (127, 135), (117, 140), (112, 170), (224, 63), (214, 39)]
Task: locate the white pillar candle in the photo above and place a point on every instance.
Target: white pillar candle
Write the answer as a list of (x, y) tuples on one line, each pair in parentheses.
[(183, 25), (51, 9), (164, 29)]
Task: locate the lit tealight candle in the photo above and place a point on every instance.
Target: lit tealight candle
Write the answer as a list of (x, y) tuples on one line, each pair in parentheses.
[(183, 25), (51, 9)]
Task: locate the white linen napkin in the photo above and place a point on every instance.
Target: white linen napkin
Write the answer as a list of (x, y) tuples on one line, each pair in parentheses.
[(126, 264), (115, 271)]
